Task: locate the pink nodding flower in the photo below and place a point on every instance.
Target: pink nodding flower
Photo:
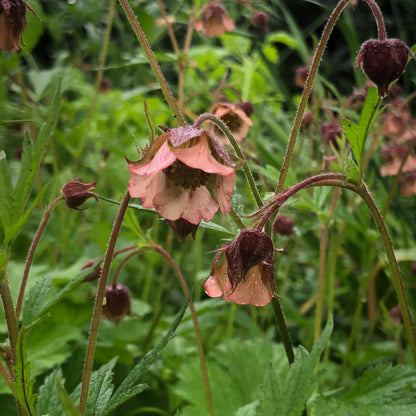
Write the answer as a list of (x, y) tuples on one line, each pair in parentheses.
[(246, 274), (214, 20), (184, 174)]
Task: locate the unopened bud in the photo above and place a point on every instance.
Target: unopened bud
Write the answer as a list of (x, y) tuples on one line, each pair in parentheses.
[(117, 302), (76, 193), (383, 61)]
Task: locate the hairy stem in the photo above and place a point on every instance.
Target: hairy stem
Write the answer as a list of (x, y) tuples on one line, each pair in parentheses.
[(32, 250), (381, 28), (283, 330), (307, 91), (11, 320), (152, 61), (247, 172), (197, 329), (89, 359)]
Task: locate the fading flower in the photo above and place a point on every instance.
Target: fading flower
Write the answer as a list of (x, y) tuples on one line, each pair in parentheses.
[(117, 302), (236, 117), (75, 193), (284, 225), (185, 174), (301, 75), (214, 21), (260, 20), (95, 274), (12, 24), (408, 184), (331, 132), (246, 273), (394, 157)]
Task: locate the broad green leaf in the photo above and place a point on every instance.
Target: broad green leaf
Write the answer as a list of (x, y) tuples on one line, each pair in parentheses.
[(235, 369), (100, 390), (287, 394), (37, 296), (23, 383), (47, 402), (69, 287), (381, 390), (129, 387)]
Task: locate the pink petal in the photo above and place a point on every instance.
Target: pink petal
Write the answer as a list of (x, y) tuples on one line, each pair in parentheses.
[(218, 284), (200, 157), (146, 187), (193, 206), (225, 186), (252, 289), (212, 288), (163, 158)]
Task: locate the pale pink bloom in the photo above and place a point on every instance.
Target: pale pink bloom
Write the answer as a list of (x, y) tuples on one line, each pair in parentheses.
[(185, 174), (394, 157), (246, 274), (214, 21), (235, 117), (12, 24), (253, 289)]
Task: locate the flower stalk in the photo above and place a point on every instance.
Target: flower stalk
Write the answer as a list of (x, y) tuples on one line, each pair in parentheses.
[(32, 250), (92, 341), (152, 61)]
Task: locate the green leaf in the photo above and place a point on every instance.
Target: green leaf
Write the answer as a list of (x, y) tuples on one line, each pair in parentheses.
[(37, 296), (381, 390), (14, 229), (235, 370), (23, 383), (6, 191), (100, 391), (129, 387), (32, 155), (358, 133), (47, 402), (286, 394), (70, 287), (68, 406)]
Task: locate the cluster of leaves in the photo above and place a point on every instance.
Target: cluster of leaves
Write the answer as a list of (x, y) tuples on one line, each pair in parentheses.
[(50, 132)]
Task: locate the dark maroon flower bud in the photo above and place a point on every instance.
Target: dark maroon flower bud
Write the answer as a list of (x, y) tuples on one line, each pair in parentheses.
[(249, 249), (307, 119), (301, 75), (95, 274), (246, 274), (260, 20), (247, 107), (12, 24), (117, 302), (396, 315), (284, 225), (383, 61), (330, 132), (76, 193), (182, 228)]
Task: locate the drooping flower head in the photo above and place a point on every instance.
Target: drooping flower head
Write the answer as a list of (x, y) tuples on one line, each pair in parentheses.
[(185, 174), (214, 20), (12, 24), (236, 117), (117, 302), (75, 193), (383, 61), (246, 273)]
